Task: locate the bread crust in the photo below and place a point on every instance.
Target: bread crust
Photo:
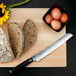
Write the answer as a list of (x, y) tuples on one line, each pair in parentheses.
[(16, 38), (30, 34)]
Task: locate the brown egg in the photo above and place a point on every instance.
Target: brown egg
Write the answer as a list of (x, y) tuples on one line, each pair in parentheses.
[(56, 24), (48, 18), (64, 18), (56, 13)]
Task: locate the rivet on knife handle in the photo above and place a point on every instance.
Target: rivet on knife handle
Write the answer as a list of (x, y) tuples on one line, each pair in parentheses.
[(20, 66)]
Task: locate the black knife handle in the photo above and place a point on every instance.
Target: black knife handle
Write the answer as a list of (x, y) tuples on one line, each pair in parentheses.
[(20, 66)]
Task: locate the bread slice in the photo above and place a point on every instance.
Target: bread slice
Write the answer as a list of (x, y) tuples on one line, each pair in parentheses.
[(6, 53), (16, 38), (30, 34)]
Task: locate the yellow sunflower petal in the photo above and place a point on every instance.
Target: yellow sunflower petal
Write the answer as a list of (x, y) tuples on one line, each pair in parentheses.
[(4, 6), (5, 20), (7, 13), (3, 10), (1, 21), (0, 6), (7, 17)]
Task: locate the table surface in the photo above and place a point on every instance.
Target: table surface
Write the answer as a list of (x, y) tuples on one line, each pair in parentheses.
[(71, 52)]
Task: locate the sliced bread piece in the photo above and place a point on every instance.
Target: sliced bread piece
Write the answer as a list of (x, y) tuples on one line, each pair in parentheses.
[(6, 53), (30, 34), (16, 38)]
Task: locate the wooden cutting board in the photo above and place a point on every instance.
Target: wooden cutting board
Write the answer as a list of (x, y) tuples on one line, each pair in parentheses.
[(45, 37)]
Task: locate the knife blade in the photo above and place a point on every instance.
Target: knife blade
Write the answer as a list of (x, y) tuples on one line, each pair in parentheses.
[(52, 47), (43, 53)]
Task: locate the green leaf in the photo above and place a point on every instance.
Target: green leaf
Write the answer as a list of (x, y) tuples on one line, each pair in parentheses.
[(18, 4)]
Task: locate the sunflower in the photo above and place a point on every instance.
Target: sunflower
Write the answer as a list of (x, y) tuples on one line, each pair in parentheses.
[(4, 14)]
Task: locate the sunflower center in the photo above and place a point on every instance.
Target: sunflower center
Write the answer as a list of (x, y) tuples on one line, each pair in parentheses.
[(1, 14)]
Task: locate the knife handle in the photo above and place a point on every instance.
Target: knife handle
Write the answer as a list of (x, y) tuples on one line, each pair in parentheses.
[(20, 66)]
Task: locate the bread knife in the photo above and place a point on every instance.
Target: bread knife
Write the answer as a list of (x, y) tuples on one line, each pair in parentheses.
[(43, 53)]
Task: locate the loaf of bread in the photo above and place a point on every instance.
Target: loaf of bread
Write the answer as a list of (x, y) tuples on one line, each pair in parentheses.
[(6, 53), (16, 38), (30, 34)]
